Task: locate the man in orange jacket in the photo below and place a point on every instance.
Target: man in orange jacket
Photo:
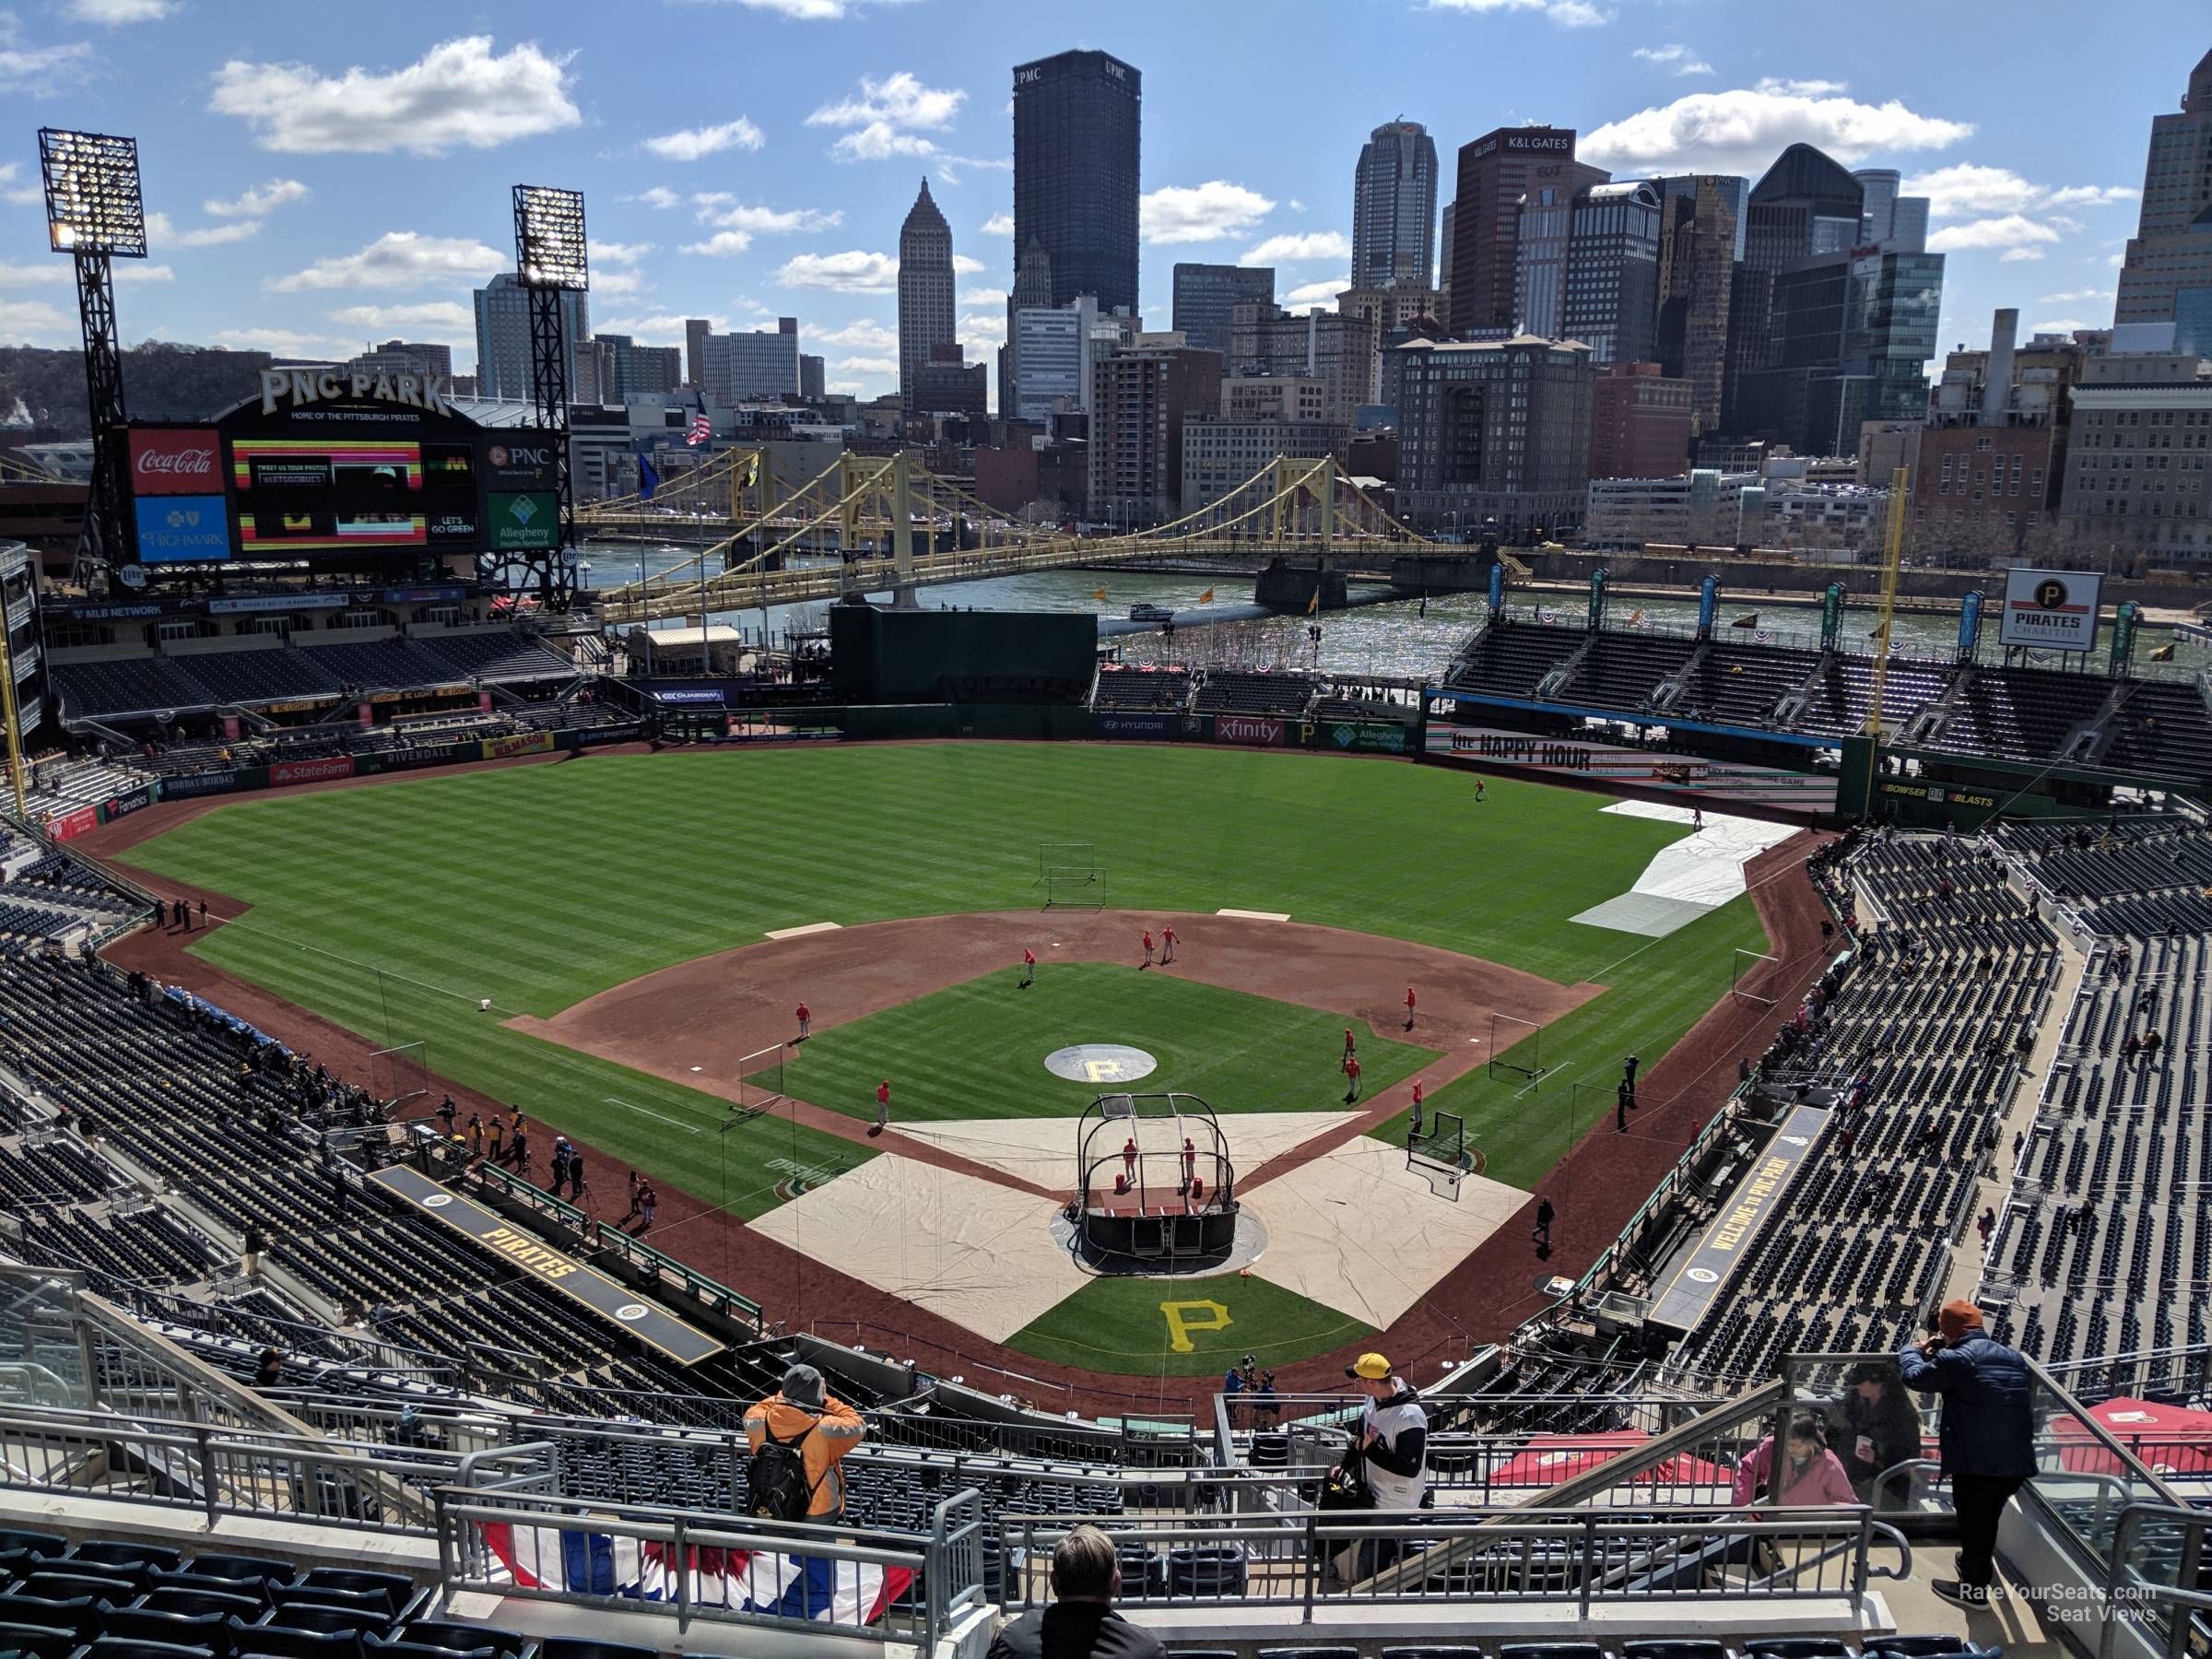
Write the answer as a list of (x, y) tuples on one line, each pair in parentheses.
[(815, 1424)]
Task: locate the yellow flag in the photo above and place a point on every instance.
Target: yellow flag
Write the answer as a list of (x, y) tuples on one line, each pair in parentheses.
[(1099, 595), (1314, 604), (1206, 597)]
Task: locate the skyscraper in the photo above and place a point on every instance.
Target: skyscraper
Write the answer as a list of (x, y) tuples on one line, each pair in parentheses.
[(1495, 172), (1394, 207), (1076, 155), (1033, 291), (1612, 288), (1701, 228), (1206, 294), (1887, 219), (503, 335), (924, 292), (2167, 274), (1804, 206)]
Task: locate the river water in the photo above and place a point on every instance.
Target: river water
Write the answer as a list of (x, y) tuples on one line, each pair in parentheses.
[(1402, 639)]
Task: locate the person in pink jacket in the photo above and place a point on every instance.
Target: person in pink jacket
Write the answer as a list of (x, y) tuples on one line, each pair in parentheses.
[(1810, 1475)]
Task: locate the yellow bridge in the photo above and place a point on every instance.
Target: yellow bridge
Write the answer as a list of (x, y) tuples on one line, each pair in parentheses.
[(835, 534)]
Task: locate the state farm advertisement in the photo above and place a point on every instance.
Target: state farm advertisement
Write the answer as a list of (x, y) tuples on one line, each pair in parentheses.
[(309, 771), (174, 461)]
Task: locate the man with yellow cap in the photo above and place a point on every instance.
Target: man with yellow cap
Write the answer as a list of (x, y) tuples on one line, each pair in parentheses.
[(1988, 1435), (1393, 1443)]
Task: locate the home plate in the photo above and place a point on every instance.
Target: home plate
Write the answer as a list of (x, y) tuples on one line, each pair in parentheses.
[(1256, 915), (792, 932)]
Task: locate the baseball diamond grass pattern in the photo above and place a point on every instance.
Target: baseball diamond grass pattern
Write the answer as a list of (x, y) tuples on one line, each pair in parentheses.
[(1121, 1324), (977, 1049), (394, 909)]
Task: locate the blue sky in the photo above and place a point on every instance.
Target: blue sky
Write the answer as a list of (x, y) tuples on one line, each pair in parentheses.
[(330, 174)]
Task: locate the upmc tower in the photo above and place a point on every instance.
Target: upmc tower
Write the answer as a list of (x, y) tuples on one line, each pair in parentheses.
[(1075, 172), (1495, 172)]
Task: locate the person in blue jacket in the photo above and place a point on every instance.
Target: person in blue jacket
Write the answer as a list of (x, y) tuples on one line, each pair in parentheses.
[(1988, 1435)]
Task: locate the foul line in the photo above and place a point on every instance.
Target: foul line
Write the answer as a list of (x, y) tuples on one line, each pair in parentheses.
[(648, 1111)]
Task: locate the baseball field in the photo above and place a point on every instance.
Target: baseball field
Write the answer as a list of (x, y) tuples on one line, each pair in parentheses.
[(619, 914)]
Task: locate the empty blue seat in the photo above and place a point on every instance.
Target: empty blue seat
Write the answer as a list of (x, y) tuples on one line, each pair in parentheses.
[(102, 1553), (564, 1647), (1424, 1651), (1798, 1647), (261, 1568), (287, 1598), (322, 1617), (79, 1586), (1675, 1650), (1552, 1650), (1917, 1646), (193, 1603), (289, 1642), (44, 1545), (1310, 1652), (374, 1645), (126, 1647), (168, 1629), (44, 1642), (395, 1588), (443, 1633)]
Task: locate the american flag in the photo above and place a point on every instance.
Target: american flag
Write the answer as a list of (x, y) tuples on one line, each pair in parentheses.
[(700, 430)]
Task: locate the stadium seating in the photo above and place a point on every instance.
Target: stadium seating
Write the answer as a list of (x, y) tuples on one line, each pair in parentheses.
[(1512, 658), (1734, 684), (1142, 688), (1228, 691), (500, 655), (1625, 671)]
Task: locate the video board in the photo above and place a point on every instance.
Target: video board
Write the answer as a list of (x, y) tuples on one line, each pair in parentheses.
[(331, 467)]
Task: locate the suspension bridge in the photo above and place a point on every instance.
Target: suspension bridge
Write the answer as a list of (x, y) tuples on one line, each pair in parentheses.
[(840, 533)]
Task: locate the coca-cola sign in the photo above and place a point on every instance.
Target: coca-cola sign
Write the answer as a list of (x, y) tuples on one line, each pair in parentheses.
[(174, 461)]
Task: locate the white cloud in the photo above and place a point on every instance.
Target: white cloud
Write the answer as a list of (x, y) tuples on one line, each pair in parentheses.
[(868, 365), (692, 143), (287, 341), (2019, 256), (1567, 13), (659, 195), (114, 14), (1196, 212), (1802, 89), (2006, 231), (446, 316), (854, 272), (769, 221), (1315, 293), (661, 328), (1296, 246), (618, 284), (2064, 326), (1743, 131), (722, 244), (2092, 195), (864, 333), (988, 326), (619, 253), (34, 323), (2116, 260), (999, 224), (2072, 296), (39, 68), (887, 118), (259, 201), (161, 231), (33, 274), (964, 266), (1674, 59), (459, 92), (811, 11), (950, 167), (1969, 189), (983, 295), (20, 196), (398, 259)]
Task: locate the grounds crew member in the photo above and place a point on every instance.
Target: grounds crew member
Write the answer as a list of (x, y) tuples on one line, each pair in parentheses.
[(1988, 1435), (799, 1436), (1392, 1439)]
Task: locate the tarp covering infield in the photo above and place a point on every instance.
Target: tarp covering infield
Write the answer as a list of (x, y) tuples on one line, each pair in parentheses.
[(783, 1586), (610, 1299)]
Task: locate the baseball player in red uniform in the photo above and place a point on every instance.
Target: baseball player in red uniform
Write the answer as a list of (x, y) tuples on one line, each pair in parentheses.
[(805, 1020), (1167, 946), (1352, 1070), (883, 1106), (1190, 1163), (1029, 967), (1147, 948), (1348, 1042), (1419, 1089), (1410, 1007), (1129, 1163)]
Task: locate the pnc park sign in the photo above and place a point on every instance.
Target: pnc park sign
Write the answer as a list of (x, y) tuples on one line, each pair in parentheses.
[(298, 386)]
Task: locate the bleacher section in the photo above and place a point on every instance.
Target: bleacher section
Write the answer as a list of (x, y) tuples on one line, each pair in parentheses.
[(1740, 685), (1628, 673), (1511, 658), (2022, 713), (1139, 688), (1230, 691), (163, 684)]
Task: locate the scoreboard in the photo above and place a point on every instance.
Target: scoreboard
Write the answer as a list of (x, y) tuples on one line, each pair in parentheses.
[(339, 469)]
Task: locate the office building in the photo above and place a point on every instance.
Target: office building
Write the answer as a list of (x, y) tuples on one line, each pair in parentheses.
[(2166, 274), (2130, 490), (1075, 170), (1326, 345), (1826, 518), (948, 385), (1541, 232), (1700, 238), (1611, 288), (1805, 206), (621, 369), (1221, 453), (1701, 508), (1032, 290), (1293, 399), (1388, 312), (1887, 220), (503, 336), (1495, 172), (813, 378), (1495, 429), (1394, 207), (404, 357), (1054, 348), (763, 363), (925, 291), (696, 330), (1206, 294), (1849, 337), (1139, 398), (1443, 256), (1639, 422)]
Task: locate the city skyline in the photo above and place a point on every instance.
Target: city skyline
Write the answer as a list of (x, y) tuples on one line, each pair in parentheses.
[(285, 165)]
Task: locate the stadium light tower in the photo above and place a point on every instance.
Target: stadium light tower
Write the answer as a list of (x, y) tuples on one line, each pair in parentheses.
[(94, 213), (550, 260)]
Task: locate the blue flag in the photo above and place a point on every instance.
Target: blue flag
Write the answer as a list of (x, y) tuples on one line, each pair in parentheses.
[(648, 479)]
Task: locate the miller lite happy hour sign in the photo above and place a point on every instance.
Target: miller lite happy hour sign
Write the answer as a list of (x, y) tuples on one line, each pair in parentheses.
[(180, 460)]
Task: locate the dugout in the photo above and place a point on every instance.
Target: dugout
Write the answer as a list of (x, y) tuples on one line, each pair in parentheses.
[(884, 656)]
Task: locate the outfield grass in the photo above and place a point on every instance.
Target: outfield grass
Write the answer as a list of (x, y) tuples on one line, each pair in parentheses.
[(1524, 1130), (394, 909), (977, 1049), (1119, 1324)]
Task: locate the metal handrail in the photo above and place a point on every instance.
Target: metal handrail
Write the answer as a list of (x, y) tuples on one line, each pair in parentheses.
[(2127, 1588)]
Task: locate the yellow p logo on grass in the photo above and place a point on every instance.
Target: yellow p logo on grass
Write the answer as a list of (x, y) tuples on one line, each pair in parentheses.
[(1184, 1317)]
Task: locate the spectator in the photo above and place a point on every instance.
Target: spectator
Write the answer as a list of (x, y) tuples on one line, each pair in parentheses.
[(1080, 1623), (1874, 1427), (1393, 1443), (1986, 1224), (802, 1417), (257, 1246), (268, 1372), (1988, 1436), (1810, 1476)]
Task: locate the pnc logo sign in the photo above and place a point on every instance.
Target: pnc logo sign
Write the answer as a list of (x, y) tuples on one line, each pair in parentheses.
[(510, 455)]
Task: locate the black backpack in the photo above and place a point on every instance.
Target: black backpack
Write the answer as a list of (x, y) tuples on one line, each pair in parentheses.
[(776, 1488)]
